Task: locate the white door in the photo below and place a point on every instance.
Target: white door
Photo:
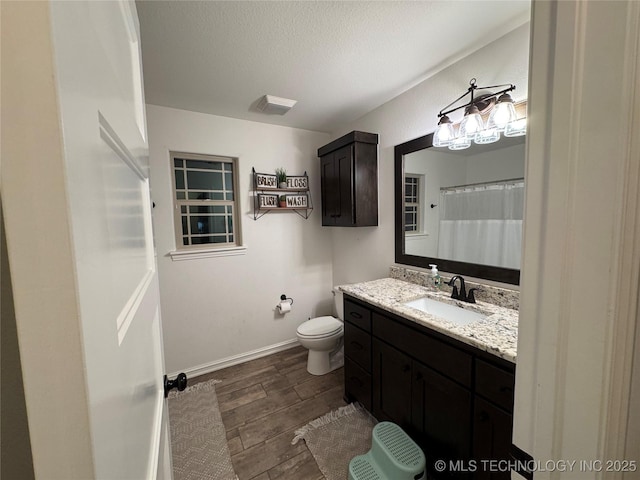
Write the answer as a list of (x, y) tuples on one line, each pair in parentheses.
[(97, 80)]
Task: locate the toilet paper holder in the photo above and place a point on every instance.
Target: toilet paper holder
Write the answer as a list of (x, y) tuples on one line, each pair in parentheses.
[(285, 304)]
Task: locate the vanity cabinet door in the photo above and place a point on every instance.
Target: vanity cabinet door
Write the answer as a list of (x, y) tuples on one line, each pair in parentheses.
[(440, 419), (391, 384), (492, 429)]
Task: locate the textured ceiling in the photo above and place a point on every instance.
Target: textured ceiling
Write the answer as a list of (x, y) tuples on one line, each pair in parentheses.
[(339, 60)]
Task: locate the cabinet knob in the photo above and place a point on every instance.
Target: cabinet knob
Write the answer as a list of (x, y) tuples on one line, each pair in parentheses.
[(356, 345), (418, 376), (484, 416), (356, 380), (406, 368), (355, 314), (505, 389)]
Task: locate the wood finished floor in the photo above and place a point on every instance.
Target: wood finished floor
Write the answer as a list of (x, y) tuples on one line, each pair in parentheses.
[(263, 402)]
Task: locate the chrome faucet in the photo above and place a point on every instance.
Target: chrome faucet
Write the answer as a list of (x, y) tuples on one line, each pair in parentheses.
[(462, 293)]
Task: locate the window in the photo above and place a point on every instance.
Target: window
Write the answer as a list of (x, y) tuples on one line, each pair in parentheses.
[(206, 204), (412, 203)]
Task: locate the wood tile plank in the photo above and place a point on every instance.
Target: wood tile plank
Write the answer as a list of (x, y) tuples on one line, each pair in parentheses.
[(300, 467), (235, 445), (273, 402), (319, 384), (264, 456), (334, 397), (288, 418), (240, 397)]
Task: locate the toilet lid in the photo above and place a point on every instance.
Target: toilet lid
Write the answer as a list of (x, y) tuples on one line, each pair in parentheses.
[(320, 327)]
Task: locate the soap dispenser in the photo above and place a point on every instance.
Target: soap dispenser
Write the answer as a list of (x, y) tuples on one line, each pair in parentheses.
[(435, 276)]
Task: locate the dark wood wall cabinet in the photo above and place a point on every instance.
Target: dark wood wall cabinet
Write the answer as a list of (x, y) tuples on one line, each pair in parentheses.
[(454, 400), (349, 180)]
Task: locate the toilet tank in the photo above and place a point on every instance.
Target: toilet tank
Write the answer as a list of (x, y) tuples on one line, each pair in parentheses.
[(338, 304)]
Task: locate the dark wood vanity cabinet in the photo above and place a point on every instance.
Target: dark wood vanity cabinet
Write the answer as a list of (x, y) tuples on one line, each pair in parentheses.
[(349, 180), (454, 400)]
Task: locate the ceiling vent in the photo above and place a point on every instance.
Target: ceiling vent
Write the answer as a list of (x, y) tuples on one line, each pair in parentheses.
[(275, 105)]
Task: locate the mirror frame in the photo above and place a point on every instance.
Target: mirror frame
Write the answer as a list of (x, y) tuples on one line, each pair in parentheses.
[(487, 272)]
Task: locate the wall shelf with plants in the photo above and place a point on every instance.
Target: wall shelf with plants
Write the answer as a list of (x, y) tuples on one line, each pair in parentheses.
[(281, 192)]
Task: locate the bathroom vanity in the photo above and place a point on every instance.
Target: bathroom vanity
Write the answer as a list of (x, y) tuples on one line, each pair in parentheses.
[(449, 386)]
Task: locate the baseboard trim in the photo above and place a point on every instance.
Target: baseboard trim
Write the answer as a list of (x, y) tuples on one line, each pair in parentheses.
[(236, 359)]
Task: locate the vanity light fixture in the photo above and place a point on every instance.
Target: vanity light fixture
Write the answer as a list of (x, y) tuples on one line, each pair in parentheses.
[(502, 119)]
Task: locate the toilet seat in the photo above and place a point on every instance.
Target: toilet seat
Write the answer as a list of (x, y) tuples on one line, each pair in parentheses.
[(319, 327)]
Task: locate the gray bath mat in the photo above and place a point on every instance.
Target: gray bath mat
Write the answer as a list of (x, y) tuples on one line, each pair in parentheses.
[(335, 438), (198, 439)]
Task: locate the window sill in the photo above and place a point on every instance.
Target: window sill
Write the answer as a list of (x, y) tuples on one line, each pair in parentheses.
[(206, 253), (417, 234)]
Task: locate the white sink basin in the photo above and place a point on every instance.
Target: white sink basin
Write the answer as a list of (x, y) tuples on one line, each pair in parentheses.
[(453, 314)]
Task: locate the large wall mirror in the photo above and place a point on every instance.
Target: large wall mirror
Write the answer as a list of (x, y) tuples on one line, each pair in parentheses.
[(461, 210)]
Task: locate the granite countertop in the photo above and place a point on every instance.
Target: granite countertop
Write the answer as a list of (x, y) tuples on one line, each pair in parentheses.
[(497, 334)]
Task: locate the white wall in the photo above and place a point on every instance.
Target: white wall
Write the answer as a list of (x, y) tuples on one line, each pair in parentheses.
[(215, 308), (361, 254)]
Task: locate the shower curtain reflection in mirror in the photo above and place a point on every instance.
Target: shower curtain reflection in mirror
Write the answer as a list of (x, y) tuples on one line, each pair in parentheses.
[(482, 223)]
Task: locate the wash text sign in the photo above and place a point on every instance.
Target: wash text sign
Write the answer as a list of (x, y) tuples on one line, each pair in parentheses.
[(296, 201)]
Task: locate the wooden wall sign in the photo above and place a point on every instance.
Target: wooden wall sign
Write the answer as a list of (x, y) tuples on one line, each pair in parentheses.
[(301, 183), (267, 200), (266, 180), (296, 201)]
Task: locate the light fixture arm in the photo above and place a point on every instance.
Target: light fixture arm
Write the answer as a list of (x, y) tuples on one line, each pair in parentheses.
[(470, 90)]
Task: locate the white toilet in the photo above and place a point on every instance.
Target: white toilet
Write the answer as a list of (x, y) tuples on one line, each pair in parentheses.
[(323, 337)]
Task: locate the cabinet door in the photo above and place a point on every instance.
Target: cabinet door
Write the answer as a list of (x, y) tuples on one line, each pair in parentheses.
[(492, 429), (343, 158), (337, 188), (329, 190), (441, 419), (391, 385)]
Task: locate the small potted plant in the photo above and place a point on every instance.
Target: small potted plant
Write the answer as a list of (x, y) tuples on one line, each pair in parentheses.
[(283, 201), (281, 173)]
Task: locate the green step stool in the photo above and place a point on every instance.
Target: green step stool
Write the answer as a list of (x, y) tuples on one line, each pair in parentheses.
[(393, 456)]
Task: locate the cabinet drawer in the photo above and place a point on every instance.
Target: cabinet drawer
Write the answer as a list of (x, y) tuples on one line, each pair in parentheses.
[(357, 346), (495, 384), (357, 315), (357, 383), (434, 353)]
